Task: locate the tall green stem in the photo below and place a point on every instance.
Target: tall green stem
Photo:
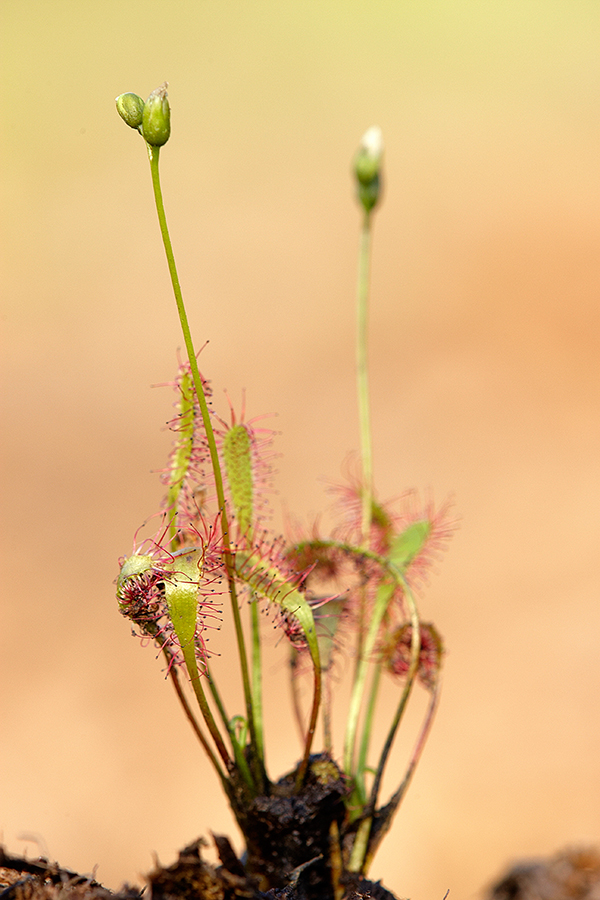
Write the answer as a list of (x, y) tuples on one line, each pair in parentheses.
[(153, 154), (367, 729), (392, 806), (384, 595), (358, 857), (364, 411), (238, 751), (362, 375), (257, 703)]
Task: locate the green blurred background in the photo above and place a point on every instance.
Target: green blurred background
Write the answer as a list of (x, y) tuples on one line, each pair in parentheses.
[(485, 332)]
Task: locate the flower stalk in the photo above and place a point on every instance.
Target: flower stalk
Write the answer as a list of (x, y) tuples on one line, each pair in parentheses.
[(153, 155), (362, 377), (367, 169)]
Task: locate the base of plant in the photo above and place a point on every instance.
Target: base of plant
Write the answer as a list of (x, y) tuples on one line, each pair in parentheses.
[(191, 878), (298, 843)]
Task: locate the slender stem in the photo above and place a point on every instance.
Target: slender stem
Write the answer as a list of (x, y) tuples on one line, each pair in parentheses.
[(367, 729), (154, 154), (384, 595), (312, 725), (361, 841), (295, 691), (257, 704), (189, 657), (175, 680), (212, 686), (396, 799), (240, 761), (362, 374), (364, 410), (327, 700), (174, 675), (415, 647)]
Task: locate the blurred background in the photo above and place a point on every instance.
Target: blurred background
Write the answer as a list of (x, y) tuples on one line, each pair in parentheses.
[(484, 354)]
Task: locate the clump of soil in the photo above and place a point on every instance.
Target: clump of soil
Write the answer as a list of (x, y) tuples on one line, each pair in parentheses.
[(572, 874), (191, 878), (25, 879)]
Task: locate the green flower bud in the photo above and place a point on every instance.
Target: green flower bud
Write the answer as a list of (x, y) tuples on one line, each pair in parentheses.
[(367, 167), (156, 119), (130, 107)]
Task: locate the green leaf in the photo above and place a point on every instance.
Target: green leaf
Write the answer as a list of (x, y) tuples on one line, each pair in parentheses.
[(408, 544), (237, 453), (181, 594)]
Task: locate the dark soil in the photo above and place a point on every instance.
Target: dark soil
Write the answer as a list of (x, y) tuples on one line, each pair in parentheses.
[(190, 878)]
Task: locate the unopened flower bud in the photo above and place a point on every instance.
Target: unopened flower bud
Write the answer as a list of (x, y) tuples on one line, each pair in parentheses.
[(131, 108), (156, 119), (367, 167)]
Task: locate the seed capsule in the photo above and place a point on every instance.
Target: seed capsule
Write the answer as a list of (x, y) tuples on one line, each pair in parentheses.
[(156, 118)]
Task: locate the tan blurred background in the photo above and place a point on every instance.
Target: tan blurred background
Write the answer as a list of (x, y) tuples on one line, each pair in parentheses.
[(485, 336)]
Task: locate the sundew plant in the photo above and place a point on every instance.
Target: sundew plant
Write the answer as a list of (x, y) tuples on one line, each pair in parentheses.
[(350, 592)]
